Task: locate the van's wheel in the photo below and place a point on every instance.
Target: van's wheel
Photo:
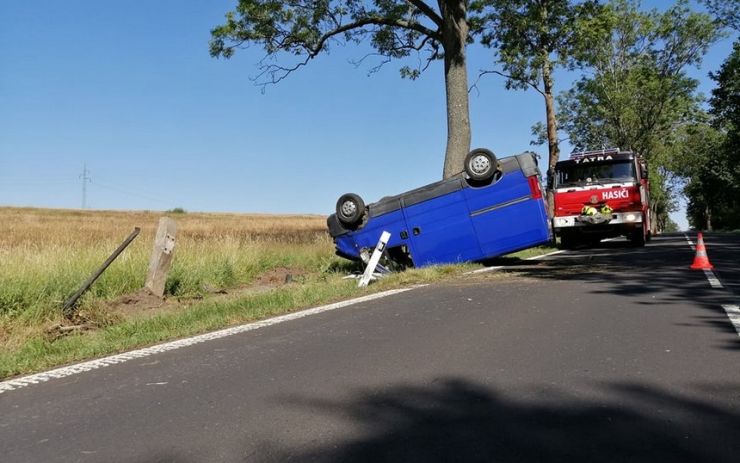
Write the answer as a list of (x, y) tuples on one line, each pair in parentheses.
[(350, 208), (480, 164)]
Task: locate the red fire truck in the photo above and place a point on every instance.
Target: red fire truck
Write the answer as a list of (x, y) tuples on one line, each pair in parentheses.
[(601, 194)]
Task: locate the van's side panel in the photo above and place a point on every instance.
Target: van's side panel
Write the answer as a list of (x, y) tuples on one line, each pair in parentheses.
[(444, 232)]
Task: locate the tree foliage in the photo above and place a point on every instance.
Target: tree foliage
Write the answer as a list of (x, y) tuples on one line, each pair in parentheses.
[(304, 29), (726, 11), (530, 36), (297, 31), (699, 160), (709, 161), (725, 101), (531, 39), (638, 93)]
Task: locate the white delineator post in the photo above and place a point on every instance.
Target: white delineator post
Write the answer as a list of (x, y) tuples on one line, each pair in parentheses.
[(374, 259), (159, 264)]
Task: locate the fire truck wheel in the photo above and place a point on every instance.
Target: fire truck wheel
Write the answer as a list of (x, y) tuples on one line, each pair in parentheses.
[(638, 238), (350, 208), (480, 164), (567, 241)]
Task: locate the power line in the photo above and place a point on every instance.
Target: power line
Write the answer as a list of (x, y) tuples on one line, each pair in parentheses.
[(85, 180), (130, 193)]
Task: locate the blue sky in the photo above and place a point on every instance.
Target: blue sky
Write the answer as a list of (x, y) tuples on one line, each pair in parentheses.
[(129, 89)]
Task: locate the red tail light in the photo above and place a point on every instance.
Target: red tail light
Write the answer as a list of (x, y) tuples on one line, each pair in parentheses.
[(534, 187)]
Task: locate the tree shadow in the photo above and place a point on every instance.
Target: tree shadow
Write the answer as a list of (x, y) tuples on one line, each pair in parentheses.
[(506, 260), (458, 420), (724, 252), (656, 277)]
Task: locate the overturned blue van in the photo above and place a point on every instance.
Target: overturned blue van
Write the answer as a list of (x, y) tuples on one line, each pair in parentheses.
[(494, 207)]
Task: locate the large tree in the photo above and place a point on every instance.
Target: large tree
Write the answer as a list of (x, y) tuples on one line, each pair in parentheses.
[(637, 92), (531, 39), (300, 30)]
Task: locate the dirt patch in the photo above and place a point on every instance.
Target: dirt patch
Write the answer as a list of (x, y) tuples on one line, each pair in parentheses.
[(280, 276), (143, 303), (60, 330), (136, 303)]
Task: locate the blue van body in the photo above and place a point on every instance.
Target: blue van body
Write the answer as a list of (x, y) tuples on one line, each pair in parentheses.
[(455, 220)]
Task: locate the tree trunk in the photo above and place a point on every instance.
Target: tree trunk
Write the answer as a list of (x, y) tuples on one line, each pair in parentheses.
[(552, 133), (708, 213), (454, 35), (655, 217)]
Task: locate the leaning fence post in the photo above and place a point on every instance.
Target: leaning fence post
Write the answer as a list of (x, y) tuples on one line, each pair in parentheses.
[(68, 308), (159, 264)]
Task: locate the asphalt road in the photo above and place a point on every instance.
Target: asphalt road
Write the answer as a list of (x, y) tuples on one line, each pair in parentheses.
[(609, 354)]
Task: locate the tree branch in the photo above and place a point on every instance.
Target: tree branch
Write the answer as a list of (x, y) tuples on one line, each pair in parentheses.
[(313, 51), (484, 72), (428, 11)]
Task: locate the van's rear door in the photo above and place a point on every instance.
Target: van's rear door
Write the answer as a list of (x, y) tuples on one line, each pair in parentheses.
[(509, 214)]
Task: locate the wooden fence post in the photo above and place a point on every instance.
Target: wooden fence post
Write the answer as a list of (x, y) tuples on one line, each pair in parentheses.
[(68, 308), (159, 264)]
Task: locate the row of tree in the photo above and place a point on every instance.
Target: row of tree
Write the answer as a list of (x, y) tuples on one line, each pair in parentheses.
[(633, 93)]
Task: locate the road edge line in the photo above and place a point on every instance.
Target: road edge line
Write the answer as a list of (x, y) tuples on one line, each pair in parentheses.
[(733, 313), (499, 267), (63, 372), (732, 310)]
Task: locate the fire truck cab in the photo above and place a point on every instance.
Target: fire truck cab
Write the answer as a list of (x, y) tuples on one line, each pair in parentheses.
[(601, 194)]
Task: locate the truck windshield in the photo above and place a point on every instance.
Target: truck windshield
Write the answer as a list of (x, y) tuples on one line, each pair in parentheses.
[(594, 173)]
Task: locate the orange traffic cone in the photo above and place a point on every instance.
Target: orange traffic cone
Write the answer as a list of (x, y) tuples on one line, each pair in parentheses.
[(701, 261)]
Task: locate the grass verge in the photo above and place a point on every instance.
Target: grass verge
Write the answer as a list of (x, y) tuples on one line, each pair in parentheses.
[(40, 352)]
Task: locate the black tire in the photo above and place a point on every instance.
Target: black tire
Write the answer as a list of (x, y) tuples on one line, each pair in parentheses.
[(567, 240), (638, 238), (350, 208), (480, 164), (594, 241)]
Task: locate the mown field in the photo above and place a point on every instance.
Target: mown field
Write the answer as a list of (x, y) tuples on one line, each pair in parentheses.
[(228, 268), (46, 254)]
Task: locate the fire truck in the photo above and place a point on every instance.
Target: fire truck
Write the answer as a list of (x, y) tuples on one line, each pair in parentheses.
[(601, 194)]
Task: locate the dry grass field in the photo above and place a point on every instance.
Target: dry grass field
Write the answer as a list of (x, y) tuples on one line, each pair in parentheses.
[(46, 254)]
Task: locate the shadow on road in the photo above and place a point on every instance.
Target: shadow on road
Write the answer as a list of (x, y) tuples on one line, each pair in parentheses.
[(724, 251), (456, 420), (656, 276)]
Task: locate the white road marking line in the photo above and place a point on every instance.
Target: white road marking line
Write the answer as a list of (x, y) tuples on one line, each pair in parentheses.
[(63, 372), (733, 312), (712, 278), (484, 270), (499, 267), (542, 256)]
